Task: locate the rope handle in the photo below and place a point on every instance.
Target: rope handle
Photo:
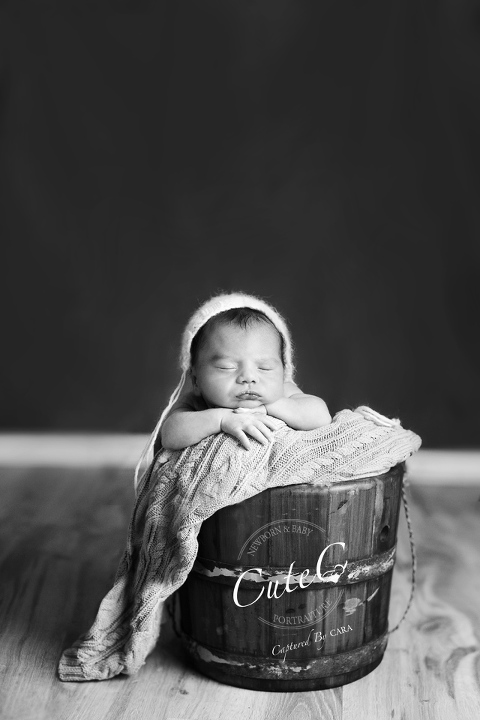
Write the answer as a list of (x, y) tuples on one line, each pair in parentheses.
[(414, 559)]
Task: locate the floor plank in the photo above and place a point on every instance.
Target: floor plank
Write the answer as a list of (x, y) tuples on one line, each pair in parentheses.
[(431, 667), (62, 532)]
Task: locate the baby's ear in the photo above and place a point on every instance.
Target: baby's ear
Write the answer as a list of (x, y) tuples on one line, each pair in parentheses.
[(193, 381)]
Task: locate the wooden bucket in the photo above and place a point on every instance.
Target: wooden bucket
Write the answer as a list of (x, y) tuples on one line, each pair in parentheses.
[(291, 588)]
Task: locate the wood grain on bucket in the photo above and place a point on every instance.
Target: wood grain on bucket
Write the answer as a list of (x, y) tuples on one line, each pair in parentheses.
[(291, 588)]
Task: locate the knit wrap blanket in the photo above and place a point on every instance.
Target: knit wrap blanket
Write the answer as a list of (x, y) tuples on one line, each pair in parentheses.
[(181, 489)]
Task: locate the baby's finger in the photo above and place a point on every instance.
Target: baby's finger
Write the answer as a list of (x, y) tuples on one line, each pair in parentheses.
[(261, 410), (266, 432), (243, 439), (257, 434), (264, 429), (270, 422)]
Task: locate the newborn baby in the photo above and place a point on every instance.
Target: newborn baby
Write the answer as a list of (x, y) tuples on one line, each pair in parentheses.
[(237, 383)]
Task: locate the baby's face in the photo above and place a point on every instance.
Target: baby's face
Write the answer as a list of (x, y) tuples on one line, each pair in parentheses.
[(239, 367)]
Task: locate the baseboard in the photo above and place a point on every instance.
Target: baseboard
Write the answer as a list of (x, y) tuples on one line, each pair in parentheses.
[(436, 467), (445, 467), (71, 450)]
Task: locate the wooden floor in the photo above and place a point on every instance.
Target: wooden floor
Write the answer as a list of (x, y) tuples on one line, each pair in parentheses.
[(61, 535)]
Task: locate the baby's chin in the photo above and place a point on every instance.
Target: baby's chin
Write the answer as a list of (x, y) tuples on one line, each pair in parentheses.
[(253, 403), (237, 403)]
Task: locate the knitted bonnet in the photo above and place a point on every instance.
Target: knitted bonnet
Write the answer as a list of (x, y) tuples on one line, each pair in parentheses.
[(212, 307)]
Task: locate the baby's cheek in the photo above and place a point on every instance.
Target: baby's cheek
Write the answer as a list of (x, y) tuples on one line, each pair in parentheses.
[(277, 390)]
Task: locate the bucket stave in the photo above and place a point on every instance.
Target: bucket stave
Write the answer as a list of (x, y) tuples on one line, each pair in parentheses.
[(290, 589)]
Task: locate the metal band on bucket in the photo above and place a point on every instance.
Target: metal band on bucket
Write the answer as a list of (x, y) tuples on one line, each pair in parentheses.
[(311, 667), (355, 571)]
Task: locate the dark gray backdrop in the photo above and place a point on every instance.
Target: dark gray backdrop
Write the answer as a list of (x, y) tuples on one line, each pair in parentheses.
[(323, 154)]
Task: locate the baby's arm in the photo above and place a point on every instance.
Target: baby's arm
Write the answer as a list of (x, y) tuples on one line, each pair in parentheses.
[(298, 410), (186, 425)]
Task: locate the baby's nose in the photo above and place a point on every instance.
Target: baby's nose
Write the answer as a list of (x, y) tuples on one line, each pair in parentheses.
[(247, 375)]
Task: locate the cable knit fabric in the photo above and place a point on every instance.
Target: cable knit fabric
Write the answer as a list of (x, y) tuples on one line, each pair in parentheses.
[(183, 488)]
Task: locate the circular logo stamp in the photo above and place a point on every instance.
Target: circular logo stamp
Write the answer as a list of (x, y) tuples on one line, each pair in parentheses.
[(276, 584)]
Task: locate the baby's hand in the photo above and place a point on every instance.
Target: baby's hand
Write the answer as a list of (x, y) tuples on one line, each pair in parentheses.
[(239, 425), (261, 409)]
